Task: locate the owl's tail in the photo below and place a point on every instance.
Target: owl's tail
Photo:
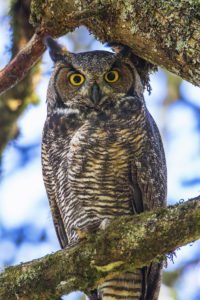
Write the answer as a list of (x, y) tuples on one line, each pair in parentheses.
[(138, 284), (128, 285)]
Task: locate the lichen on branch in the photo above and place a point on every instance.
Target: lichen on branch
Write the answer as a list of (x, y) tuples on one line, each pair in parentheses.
[(163, 33)]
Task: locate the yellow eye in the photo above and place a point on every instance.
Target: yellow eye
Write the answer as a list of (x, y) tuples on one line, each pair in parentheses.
[(112, 76), (76, 79)]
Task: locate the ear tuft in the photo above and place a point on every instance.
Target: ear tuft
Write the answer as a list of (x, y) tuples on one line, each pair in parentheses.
[(120, 49), (56, 51)]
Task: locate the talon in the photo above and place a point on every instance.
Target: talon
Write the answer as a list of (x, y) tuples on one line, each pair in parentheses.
[(104, 224), (81, 233)]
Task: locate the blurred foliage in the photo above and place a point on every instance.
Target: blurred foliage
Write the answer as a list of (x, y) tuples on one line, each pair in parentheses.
[(14, 102), (22, 30), (173, 89)]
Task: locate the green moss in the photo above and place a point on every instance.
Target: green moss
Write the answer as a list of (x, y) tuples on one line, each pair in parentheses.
[(37, 12)]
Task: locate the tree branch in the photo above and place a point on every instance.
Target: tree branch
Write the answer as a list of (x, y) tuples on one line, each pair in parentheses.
[(127, 243), (23, 61), (165, 33)]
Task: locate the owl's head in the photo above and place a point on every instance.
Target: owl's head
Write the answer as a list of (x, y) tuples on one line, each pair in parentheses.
[(93, 79)]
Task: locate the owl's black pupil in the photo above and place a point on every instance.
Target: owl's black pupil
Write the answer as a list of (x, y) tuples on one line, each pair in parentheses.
[(111, 76), (77, 79)]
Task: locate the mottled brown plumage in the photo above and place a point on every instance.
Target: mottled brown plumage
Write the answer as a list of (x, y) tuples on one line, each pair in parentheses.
[(102, 154)]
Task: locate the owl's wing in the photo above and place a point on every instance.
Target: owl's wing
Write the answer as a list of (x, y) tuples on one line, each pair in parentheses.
[(137, 203), (142, 187), (149, 174), (50, 185), (149, 192), (143, 200)]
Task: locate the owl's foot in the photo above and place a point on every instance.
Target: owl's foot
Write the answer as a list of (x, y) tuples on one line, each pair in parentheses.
[(104, 224), (81, 232)]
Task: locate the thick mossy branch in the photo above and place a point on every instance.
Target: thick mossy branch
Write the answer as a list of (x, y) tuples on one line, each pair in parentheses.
[(166, 33), (127, 243)]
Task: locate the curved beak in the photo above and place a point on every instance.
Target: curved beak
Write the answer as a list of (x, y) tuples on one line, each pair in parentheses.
[(95, 94)]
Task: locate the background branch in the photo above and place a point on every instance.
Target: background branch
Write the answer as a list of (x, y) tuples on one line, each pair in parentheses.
[(23, 61), (128, 242), (14, 102)]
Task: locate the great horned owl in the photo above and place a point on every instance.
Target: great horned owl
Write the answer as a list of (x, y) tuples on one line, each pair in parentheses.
[(102, 154)]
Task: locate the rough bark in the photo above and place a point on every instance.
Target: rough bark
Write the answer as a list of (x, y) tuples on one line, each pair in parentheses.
[(128, 242), (166, 33)]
